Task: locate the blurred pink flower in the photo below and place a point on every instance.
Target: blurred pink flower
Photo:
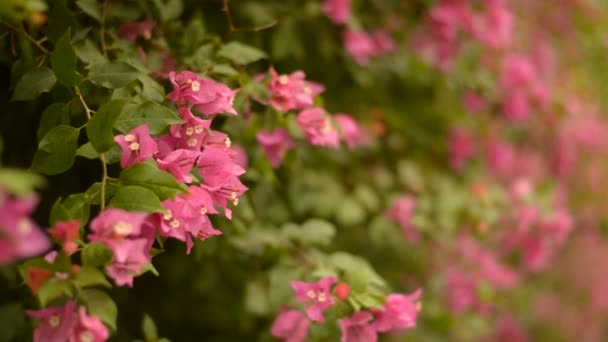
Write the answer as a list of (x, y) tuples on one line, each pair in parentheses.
[(317, 128), (275, 145), (316, 295), (400, 312), (358, 328), (339, 11), (290, 326), (56, 324)]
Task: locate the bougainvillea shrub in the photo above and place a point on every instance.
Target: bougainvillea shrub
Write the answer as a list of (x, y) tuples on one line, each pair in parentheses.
[(320, 170)]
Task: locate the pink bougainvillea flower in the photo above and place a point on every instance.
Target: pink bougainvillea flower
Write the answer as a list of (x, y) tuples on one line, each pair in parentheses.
[(516, 106), (383, 42), (130, 256), (132, 30), (275, 145), (190, 135), (225, 188), (358, 328), (509, 329), (317, 128), (400, 312), (179, 163), (292, 91), (222, 100), (240, 156), (290, 326), (401, 212), (339, 11), (137, 146), (461, 291), (89, 328), (494, 28), (352, 132), (360, 45), (20, 236), (56, 324), (68, 234), (215, 161), (114, 224), (461, 147), (316, 295), (208, 96), (473, 102)]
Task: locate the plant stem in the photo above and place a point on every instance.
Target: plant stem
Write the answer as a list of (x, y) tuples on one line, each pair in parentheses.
[(102, 157)]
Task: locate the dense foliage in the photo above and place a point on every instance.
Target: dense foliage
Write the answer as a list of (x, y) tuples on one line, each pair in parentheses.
[(293, 170)]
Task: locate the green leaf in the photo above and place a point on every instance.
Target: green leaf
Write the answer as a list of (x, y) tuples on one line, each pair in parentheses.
[(96, 254), (60, 20), (89, 53), (94, 191), (240, 53), (64, 61), (112, 75), (256, 298), (314, 232), (90, 7), (157, 117), (75, 207), (136, 198), (223, 70), (151, 177), (87, 151), (20, 182), (54, 115), (169, 9), (149, 267), (56, 151), (152, 90), (100, 126), (149, 328), (101, 305), (89, 276), (53, 289), (33, 83)]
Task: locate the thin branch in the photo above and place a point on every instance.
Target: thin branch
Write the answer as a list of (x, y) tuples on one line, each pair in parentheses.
[(102, 157), (30, 38), (102, 31)]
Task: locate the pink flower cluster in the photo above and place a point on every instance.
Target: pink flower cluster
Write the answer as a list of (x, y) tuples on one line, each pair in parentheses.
[(20, 236), (401, 213), (188, 145), (293, 92), (61, 324), (450, 21), (536, 236), (399, 312), (477, 266)]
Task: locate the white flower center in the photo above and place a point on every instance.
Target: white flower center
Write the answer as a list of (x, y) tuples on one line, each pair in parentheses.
[(283, 79), (54, 321), (123, 228), (24, 226), (195, 86), (174, 224), (198, 129), (189, 131), (129, 138), (311, 294), (167, 215), (203, 210), (228, 142), (86, 336), (192, 142), (322, 297), (134, 146)]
